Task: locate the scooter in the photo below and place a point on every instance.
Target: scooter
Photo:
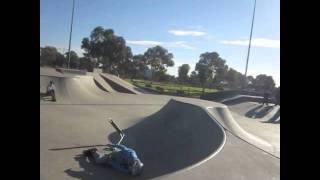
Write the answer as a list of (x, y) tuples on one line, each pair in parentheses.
[(109, 148)]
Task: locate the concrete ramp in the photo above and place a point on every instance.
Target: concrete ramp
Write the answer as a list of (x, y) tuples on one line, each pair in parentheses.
[(48, 71), (119, 84), (101, 82), (170, 141), (75, 89), (257, 111), (61, 92), (72, 71), (241, 98)]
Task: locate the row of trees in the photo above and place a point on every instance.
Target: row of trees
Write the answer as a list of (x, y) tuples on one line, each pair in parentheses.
[(50, 56), (109, 51), (105, 49), (212, 71), (116, 57)]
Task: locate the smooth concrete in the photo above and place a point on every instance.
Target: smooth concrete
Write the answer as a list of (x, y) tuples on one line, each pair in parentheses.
[(120, 84), (260, 120), (103, 83), (177, 138)]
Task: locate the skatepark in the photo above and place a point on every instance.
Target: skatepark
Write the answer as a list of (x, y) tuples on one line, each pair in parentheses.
[(175, 137)]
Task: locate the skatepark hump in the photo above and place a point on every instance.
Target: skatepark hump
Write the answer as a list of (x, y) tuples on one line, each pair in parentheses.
[(176, 138), (169, 140)]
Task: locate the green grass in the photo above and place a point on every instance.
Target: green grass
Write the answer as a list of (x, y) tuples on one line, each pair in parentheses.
[(171, 88)]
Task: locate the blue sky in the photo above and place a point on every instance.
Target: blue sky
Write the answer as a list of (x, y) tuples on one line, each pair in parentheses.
[(186, 28)]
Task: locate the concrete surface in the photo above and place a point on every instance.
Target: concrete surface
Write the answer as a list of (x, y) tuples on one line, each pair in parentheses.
[(102, 82), (260, 120), (176, 138), (119, 84)]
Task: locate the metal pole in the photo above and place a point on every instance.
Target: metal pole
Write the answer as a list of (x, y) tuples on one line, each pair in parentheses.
[(70, 34), (254, 10)]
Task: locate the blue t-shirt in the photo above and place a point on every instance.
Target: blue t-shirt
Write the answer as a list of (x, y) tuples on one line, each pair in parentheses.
[(122, 158)]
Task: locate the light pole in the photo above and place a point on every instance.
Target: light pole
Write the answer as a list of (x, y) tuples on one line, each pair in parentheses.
[(254, 10), (70, 34)]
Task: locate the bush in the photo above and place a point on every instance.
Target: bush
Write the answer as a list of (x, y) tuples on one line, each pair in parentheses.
[(159, 89), (148, 85), (180, 92)]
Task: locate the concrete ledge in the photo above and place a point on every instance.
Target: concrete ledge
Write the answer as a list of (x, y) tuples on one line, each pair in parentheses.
[(242, 98), (220, 95), (71, 71), (118, 84)]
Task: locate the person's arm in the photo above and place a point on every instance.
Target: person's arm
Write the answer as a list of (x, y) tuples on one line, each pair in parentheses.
[(121, 147)]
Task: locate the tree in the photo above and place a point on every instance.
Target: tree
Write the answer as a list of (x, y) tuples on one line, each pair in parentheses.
[(183, 72), (231, 78), (60, 60), (74, 59), (250, 79), (277, 95), (234, 79), (86, 63), (49, 56), (110, 50), (249, 82), (209, 64), (159, 59), (264, 83), (194, 79), (138, 66)]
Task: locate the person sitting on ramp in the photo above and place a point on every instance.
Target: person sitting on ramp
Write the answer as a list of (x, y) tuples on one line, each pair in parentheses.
[(51, 91), (117, 156)]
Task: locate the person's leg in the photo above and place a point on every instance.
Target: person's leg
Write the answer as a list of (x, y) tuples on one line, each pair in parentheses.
[(101, 158), (53, 96)]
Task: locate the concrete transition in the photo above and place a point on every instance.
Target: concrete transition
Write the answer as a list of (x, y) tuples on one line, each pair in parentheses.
[(119, 84), (175, 137)]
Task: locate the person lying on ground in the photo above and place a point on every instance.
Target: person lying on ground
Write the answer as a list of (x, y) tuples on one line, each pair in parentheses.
[(121, 158)]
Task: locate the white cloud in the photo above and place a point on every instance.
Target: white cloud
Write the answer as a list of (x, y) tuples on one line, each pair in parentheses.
[(186, 33), (257, 42), (179, 44), (145, 43), (175, 44)]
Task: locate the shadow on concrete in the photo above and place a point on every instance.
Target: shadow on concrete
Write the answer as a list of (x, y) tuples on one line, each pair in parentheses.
[(116, 86), (99, 85), (252, 111), (89, 170), (275, 118), (176, 137), (259, 111), (45, 97)]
